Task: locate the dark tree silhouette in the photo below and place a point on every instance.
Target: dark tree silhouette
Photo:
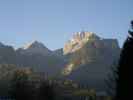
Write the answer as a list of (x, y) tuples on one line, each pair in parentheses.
[(124, 69), (45, 91), (20, 88)]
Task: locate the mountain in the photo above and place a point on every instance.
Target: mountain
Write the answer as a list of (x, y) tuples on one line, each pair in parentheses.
[(40, 58), (59, 52), (35, 48), (34, 55), (85, 59), (87, 48), (7, 54), (90, 58), (78, 41)]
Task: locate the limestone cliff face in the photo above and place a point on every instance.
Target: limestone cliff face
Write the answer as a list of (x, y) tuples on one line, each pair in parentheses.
[(78, 41), (88, 48)]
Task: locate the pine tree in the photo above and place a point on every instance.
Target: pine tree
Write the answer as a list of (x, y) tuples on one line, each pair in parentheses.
[(124, 70)]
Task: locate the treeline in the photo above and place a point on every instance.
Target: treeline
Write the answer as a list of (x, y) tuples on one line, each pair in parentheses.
[(24, 84)]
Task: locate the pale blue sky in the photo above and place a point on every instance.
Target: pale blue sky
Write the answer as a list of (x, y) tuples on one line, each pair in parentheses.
[(53, 21)]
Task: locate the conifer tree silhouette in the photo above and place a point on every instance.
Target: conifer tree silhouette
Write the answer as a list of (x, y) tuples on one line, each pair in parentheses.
[(124, 69)]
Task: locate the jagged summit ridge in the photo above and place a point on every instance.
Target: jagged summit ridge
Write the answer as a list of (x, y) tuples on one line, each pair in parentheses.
[(78, 40), (35, 47), (84, 35), (34, 44)]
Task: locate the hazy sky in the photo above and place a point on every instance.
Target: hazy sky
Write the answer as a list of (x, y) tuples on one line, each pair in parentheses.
[(54, 21)]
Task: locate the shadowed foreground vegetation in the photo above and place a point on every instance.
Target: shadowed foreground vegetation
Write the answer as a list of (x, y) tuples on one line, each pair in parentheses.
[(25, 84)]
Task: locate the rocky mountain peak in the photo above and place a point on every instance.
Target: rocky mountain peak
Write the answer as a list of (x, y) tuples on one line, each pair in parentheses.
[(35, 47), (78, 40), (34, 44), (84, 36)]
